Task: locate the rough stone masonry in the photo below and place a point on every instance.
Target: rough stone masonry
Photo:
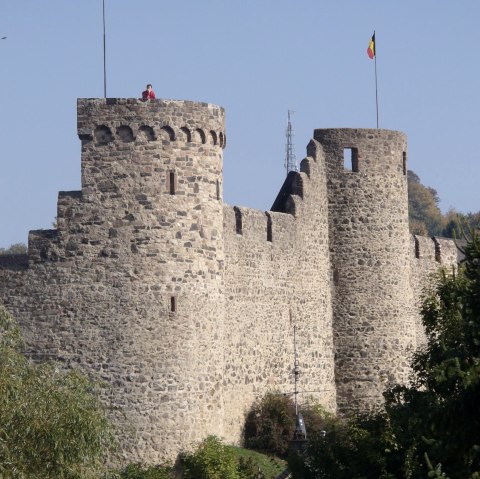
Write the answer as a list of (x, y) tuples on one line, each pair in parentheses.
[(186, 305)]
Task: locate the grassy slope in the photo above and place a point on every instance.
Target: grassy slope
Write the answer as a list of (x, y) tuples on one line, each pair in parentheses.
[(271, 466)]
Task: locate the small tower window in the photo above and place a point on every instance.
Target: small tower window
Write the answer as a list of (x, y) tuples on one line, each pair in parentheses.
[(438, 251), (218, 190), (350, 159), (417, 248), (171, 182), (173, 304), (405, 163), (269, 228), (238, 220)]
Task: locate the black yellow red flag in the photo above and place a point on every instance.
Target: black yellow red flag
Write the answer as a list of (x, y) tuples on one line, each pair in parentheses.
[(371, 47)]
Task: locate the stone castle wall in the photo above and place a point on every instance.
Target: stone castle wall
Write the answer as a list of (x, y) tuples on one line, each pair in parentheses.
[(186, 306), (277, 276)]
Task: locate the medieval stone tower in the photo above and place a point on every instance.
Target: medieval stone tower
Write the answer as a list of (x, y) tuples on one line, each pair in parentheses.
[(186, 305), (368, 217)]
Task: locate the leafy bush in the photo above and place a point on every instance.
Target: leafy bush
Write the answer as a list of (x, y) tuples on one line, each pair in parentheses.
[(52, 424), (351, 449), (270, 424), (212, 460), (142, 471)]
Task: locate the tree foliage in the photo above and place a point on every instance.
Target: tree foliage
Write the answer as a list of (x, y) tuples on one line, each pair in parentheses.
[(270, 424), (143, 471), (52, 424), (456, 223), (425, 217), (430, 428), (17, 248), (212, 460), (349, 449), (437, 416), (423, 210)]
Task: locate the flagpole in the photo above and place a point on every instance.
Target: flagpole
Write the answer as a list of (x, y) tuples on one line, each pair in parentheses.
[(104, 56), (376, 83)]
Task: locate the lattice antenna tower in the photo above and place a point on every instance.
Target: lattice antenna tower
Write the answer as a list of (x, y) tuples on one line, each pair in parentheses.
[(290, 158)]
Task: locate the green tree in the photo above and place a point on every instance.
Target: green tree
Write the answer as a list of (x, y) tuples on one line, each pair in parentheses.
[(424, 214), (455, 223), (351, 448), (430, 428), (52, 424), (17, 248), (270, 424), (437, 415)]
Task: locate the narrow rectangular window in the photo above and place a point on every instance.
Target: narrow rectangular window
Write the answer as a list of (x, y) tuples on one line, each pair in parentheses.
[(405, 163), (269, 228), (173, 304), (238, 220), (172, 179), (438, 251), (218, 190), (350, 159)]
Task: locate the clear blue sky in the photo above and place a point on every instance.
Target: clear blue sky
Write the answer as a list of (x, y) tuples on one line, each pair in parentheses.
[(257, 59)]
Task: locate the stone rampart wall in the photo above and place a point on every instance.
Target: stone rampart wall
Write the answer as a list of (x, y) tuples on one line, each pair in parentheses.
[(427, 256), (277, 276)]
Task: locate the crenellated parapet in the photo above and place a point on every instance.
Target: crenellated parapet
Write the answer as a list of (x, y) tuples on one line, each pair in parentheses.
[(427, 256), (128, 120), (435, 251), (297, 184)]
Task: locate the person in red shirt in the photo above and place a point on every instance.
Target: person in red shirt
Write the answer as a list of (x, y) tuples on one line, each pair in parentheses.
[(148, 94)]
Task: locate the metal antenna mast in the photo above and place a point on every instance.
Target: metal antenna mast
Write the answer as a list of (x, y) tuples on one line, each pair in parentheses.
[(290, 158)]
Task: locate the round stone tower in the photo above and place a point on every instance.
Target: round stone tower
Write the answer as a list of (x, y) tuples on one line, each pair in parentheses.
[(374, 333), (148, 225)]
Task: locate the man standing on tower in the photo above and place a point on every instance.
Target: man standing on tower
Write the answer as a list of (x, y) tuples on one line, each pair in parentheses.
[(148, 94)]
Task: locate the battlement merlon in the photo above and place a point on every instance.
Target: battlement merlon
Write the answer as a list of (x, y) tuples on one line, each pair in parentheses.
[(108, 119)]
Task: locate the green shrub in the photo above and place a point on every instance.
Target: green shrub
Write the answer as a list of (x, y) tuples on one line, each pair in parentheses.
[(270, 424), (52, 424), (143, 471), (212, 460)]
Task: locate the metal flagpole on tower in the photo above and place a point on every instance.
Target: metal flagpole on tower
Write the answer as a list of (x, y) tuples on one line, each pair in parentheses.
[(372, 53), (376, 84), (104, 56)]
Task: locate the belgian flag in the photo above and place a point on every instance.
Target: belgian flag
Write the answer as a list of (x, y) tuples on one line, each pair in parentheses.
[(371, 47)]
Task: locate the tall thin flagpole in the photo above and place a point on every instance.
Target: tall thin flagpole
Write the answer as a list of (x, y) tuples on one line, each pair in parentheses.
[(104, 56), (376, 83)]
